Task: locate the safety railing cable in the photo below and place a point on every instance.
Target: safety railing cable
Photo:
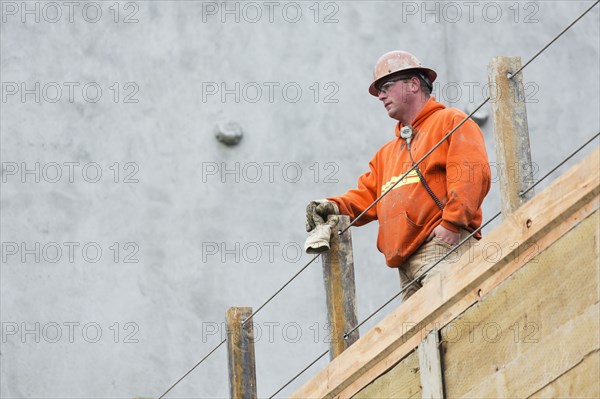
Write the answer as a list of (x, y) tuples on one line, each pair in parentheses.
[(192, 369), (392, 187), (281, 289), (300, 373), (243, 323), (522, 193), (420, 276), (553, 40), (438, 261), (467, 117)]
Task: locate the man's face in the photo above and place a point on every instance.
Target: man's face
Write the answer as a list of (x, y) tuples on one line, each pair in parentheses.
[(396, 93)]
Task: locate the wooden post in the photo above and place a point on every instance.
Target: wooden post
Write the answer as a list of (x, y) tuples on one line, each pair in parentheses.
[(430, 366), (338, 274), (513, 153), (240, 354)]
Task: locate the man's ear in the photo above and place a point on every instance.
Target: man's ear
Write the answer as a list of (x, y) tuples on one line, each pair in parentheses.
[(416, 84)]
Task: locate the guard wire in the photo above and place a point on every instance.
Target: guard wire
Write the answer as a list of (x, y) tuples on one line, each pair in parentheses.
[(192, 369), (469, 236), (553, 40), (390, 189), (281, 289), (468, 116), (420, 276), (522, 193), (441, 259), (300, 373)]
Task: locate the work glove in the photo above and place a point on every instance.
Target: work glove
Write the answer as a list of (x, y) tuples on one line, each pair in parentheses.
[(321, 218), (318, 211), (318, 238)]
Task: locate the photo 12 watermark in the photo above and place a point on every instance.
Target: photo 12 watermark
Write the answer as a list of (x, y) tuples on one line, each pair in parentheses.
[(269, 172), (254, 12), (70, 92), (471, 92), (54, 12), (270, 92), (69, 252), (53, 332), (469, 11), (69, 172), (478, 332), (275, 331)]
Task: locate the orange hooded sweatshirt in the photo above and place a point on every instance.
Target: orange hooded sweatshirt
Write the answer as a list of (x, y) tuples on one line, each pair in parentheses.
[(457, 172)]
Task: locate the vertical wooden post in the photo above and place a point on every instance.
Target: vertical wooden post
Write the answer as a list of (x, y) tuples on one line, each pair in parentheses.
[(240, 354), (430, 367), (338, 274), (513, 153)]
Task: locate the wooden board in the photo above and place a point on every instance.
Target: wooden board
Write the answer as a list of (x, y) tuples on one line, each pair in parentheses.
[(430, 365), (340, 291), (403, 381), (509, 116), (579, 382)]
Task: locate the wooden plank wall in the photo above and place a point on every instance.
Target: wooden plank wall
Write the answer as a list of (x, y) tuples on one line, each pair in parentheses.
[(545, 319), (534, 335)]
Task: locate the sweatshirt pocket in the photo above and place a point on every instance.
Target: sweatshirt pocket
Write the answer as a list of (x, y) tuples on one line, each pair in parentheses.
[(398, 237)]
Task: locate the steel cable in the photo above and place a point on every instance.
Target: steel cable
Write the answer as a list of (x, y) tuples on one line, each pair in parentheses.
[(388, 190)]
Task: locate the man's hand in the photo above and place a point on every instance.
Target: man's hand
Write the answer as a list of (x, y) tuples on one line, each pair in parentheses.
[(448, 236), (317, 212)]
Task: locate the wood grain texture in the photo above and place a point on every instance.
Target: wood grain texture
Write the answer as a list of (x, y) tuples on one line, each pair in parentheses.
[(471, 298), (401, 382), (430, 365), (511, 132), (537, 324), (581, 381), (340, 291), (240, 354)]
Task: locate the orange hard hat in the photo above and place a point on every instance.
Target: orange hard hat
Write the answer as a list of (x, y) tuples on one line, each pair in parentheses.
[(398, 61)]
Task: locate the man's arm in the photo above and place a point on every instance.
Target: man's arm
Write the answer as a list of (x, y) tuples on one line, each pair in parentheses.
[(467, 153), (355, 201)]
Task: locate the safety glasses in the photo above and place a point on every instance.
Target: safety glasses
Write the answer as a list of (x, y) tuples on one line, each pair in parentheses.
[(384, 88)]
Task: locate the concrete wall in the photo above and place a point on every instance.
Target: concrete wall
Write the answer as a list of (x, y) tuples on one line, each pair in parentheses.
[(164, 209)]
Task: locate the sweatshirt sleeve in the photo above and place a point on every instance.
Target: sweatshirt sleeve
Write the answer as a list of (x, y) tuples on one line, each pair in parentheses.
[(467, 163), (355, 201)]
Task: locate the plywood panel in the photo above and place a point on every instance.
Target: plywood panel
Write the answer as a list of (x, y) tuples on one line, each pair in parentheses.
[(403, 381), (551, 357), (524, 330), (579, 382)]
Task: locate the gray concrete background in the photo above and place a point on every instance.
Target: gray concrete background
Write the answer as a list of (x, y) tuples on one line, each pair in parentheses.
[(160, 298)]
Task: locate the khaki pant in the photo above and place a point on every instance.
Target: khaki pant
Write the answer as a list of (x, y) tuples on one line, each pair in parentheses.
[(426, 256)]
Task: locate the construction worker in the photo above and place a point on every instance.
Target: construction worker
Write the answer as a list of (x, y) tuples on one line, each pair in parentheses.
[(436, 205)]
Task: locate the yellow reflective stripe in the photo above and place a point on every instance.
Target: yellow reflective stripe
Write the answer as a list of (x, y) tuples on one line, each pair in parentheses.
[(411, 178)]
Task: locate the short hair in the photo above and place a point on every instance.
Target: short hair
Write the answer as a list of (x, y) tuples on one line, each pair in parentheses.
[(425, 84)]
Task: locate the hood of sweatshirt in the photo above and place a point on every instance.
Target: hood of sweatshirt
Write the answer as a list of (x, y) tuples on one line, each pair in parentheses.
[(430, 107)]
